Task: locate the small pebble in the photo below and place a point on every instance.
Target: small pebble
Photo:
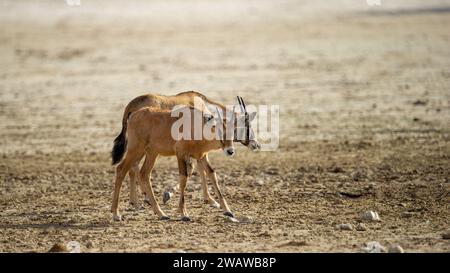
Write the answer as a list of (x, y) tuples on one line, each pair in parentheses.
[(89, 244), (245, 219), (374, 247), (264, 234), (259, 182), (407, 214), (294, 243), (446, 235), (344, 227), (59, 247), (370, 216), (396, 249), (361, 227), (73, 247)]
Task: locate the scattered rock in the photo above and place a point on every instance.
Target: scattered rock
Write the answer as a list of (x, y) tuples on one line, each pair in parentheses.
[(374, 247), (407, 214), (272, 171), (358, 175), (344, 227), (74, 247), (370, 216), (259, 182), (85, 237), (89, 244), (245, 219), (396, 249), (336, 169), (264, 234), (294, 243), (446, 235), (351, 194), (420, 102), (59, 247), (361, 227)]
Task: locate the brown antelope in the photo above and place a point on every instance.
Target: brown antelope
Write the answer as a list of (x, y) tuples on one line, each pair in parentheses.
[(149, 132), (168, 102)]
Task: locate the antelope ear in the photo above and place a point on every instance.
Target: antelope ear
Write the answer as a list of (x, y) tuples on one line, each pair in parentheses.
[(251, 116)]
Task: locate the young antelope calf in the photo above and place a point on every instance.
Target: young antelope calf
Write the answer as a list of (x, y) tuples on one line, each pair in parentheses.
[(149, 132)]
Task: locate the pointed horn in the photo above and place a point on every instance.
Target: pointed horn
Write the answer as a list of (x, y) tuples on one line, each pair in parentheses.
[(240, 104), (243, 104)]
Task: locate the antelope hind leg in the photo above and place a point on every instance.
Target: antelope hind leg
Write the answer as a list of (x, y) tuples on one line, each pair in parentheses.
[(207, 199), (133, 174), (124, 166), (145, 176)]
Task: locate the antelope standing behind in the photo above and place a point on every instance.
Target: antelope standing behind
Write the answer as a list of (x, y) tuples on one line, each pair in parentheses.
[(149, 132)]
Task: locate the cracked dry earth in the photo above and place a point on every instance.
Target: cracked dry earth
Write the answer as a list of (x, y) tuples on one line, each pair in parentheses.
[(364, 124)]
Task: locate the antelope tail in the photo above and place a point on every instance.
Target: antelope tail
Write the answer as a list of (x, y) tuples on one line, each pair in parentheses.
[(120, 143)]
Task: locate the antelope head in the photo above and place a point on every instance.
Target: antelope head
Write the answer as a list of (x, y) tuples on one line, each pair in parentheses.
[(220, 126), (243, 132)]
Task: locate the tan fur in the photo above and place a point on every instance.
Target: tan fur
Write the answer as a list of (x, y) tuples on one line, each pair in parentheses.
[(149, 132), (165, 102)]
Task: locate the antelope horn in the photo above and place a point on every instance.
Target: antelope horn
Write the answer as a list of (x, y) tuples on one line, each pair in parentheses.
[(240, 104), (243, 104)]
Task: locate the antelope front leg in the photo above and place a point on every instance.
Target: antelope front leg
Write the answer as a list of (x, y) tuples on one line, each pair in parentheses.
[(206, 196), (182, 168), (213, 176)]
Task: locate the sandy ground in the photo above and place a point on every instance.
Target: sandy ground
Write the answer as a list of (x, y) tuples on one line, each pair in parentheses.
[(364, 96)]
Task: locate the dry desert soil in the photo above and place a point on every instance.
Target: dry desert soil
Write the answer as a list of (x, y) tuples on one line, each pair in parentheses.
[(364, 97)]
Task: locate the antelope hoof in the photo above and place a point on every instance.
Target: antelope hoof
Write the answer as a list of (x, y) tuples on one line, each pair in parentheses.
[(118, 218), (164, 218), (186, 219), (229, 214), (166, 196)]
